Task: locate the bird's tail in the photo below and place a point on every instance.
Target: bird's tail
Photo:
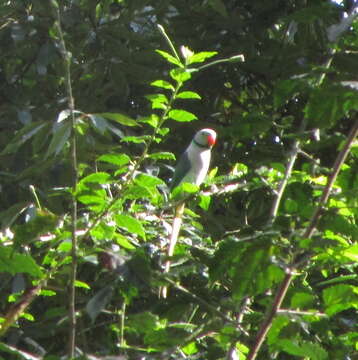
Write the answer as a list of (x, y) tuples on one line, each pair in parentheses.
[(172, 242)]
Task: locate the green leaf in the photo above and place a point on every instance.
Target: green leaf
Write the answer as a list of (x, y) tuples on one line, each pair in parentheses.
[(13, 263), (340, 297), (188, 95), (61, 134), (137, 192), (41, 223), (285, 90), (115, 159), (169, 58), (120, 118), (291, 206), (201, 57), (190, 349), (130, 224), (103, 231), (181, 115), (159, 101), (148, 180), (97, 178), (162, 156), (184, 187), (23, 135), (351, 253), (180, 75), (136, 139), (338, 279), (64, 246), (163, 84), (303, 349), (245, 279), (122, 241), (81, 284), (204, 202), (328, 104), (96, 201), (152, 120), (279, 323), (302, 300), (44, 292)]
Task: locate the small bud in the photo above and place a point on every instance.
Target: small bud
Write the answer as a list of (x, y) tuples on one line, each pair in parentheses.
[(186, 52)]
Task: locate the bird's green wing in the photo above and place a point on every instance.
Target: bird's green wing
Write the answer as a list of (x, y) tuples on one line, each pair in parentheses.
[(181, 170)]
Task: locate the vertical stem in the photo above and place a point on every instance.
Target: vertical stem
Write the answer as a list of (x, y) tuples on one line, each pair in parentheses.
[(73, 154), (123, 316), (283, 184)]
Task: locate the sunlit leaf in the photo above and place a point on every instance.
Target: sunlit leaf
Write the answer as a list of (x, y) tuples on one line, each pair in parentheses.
[(12, 262), (130, 224), (180, 75), (188, 95), (351, 253), (122, 241), (169, 58), (159, 101), (340, 297), (204, 201), (162, 156), (181, 115), (303, 349), (148, 180), (136, 139), (81, 284), (163, 84), (201, 56), (97, 178), (118, 117), (115, 159)]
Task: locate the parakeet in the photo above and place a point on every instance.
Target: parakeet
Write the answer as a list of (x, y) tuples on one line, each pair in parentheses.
[(192, 167)]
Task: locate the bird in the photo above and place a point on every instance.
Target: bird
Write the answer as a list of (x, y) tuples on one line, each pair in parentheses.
[(194, 163), (192, 167)]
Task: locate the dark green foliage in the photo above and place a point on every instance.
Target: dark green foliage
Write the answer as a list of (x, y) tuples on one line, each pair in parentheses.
[(139, 98)]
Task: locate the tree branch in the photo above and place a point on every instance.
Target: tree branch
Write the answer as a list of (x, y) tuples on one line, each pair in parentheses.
[(281, 293), (70, 100)]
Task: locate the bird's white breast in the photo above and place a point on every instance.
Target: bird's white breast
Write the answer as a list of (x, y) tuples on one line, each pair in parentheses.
[(200, 160)]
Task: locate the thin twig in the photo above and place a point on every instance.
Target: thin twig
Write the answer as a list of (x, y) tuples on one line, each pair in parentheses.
[(166, 37), (282, 187), (70, 100), (199, 300), (17, 309), (300, 313), (281, 293)]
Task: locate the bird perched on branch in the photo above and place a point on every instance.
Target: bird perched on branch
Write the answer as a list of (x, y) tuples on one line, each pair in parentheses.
[(192, 167)]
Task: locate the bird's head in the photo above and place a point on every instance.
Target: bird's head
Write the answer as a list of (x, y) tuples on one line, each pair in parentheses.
[(205, 138)]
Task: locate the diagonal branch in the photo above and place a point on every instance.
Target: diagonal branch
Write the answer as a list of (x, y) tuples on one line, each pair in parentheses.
[(281, 293)]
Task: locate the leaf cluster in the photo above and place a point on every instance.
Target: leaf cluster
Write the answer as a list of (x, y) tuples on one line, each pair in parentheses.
[(289, 98)]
